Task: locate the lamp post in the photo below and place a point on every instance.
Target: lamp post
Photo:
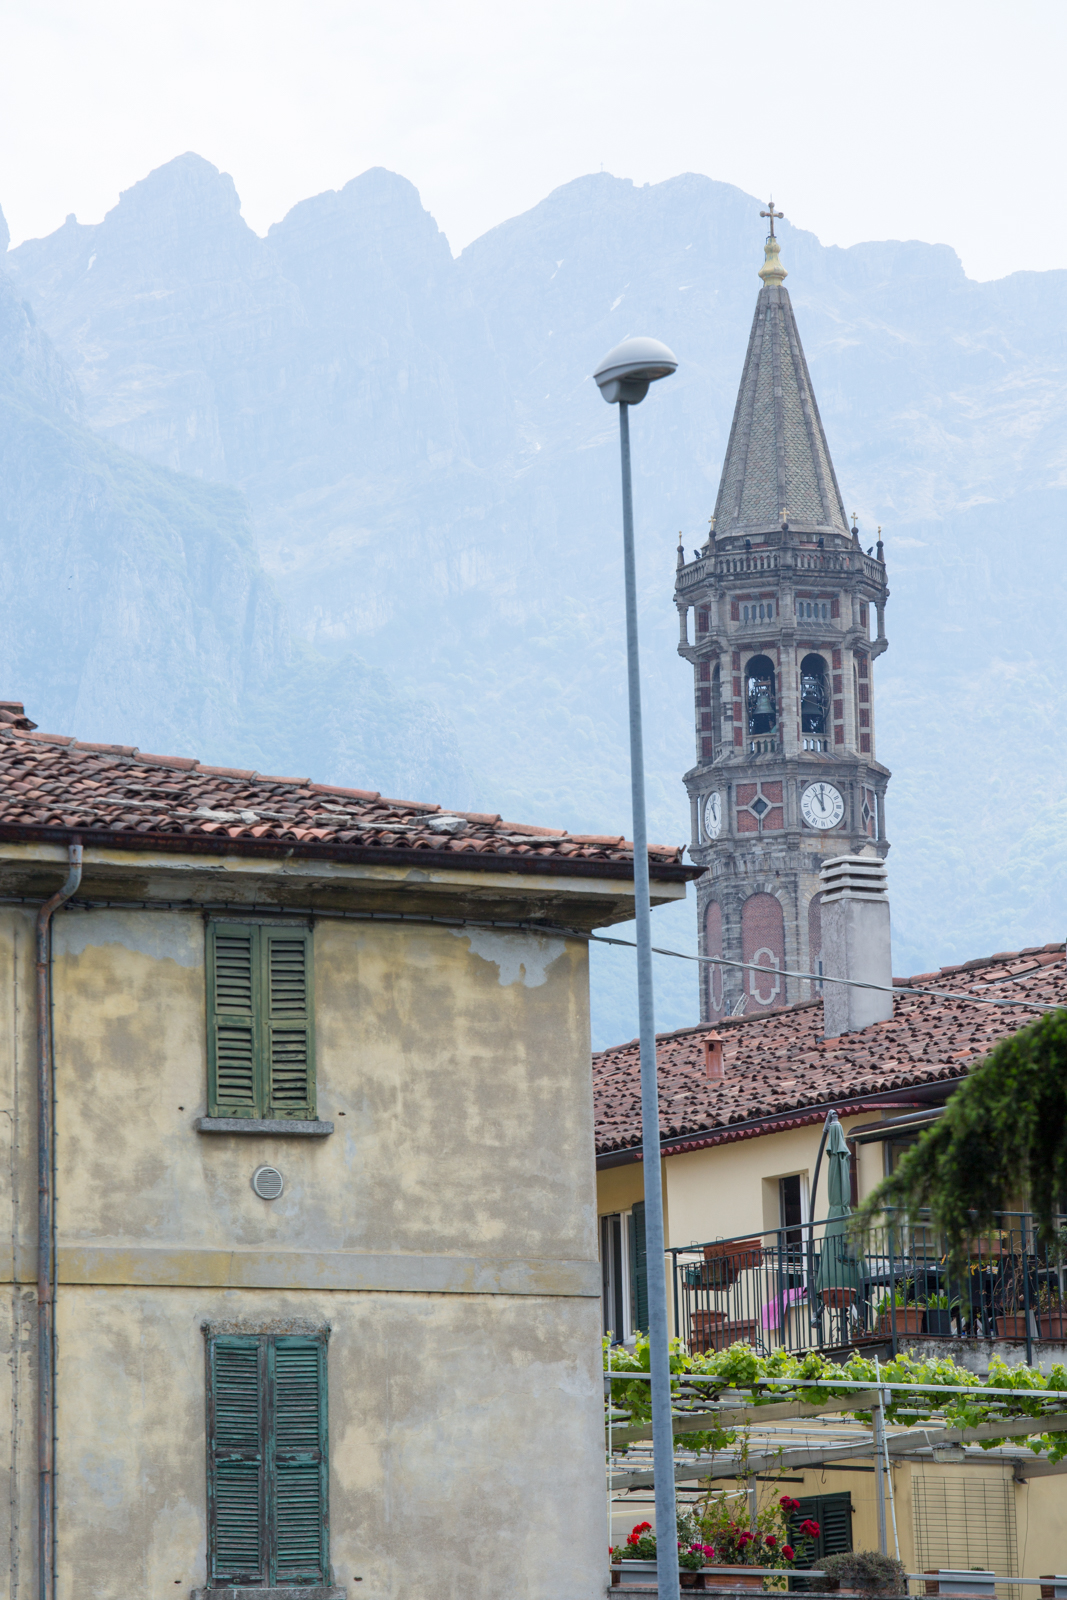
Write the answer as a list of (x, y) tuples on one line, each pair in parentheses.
[(623, 378)]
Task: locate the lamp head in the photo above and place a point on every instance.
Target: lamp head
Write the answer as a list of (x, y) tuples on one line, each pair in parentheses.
[(625, 373)]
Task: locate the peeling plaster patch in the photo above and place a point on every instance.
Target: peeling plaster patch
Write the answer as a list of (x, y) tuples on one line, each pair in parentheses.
[(148, 933), (520, 957)]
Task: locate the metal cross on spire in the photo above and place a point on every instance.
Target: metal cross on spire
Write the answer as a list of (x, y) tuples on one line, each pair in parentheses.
[(772, 213)]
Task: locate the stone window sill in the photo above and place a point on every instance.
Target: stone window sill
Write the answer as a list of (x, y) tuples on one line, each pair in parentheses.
[(312, 1592), (273, 1128)]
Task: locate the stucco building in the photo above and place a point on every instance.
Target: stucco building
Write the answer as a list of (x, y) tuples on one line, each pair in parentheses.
[(326, 1300), (782, 616)]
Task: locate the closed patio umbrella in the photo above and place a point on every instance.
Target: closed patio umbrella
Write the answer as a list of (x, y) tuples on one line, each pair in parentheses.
[(840, 1265)]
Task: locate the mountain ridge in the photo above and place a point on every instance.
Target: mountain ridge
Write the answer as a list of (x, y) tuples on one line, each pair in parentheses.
[(432, 481)]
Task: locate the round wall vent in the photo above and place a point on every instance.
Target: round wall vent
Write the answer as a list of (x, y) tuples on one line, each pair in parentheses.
[(268, 1182)]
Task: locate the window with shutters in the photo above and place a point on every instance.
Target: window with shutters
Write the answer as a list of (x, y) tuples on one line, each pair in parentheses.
[(267, 1467), (638, 1269), (833, 1513), (261, 1036)]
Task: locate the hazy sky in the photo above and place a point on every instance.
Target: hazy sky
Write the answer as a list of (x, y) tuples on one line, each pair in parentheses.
[(937, 120)]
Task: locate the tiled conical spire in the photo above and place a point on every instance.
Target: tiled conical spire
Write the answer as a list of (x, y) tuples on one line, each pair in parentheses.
[(777, 463)]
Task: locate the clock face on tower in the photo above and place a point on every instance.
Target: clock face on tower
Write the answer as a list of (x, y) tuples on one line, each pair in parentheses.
[(821, 805), (713, 815)]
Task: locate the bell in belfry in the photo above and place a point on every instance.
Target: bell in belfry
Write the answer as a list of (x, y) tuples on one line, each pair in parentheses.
[(764, 703)]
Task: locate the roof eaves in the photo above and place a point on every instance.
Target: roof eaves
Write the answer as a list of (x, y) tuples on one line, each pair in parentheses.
[(450, 860)]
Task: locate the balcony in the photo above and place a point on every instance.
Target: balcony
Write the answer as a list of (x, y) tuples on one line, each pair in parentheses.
[(802, 1289)]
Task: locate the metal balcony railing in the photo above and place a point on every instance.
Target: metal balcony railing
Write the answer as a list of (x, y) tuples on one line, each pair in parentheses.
[(801, 1288)]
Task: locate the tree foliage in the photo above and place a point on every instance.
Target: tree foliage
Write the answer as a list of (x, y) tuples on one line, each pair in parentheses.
[(1003, 1135)]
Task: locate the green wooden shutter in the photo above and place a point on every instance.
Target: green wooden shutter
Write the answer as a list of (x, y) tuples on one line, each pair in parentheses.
[(638, 1268), (237, 1547), (289, 1035), (231, 992), (299, 1462), (833, 1513)]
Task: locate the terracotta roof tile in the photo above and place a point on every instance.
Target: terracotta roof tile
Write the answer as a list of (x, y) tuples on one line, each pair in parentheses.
[(52, 786), (778, 1065)]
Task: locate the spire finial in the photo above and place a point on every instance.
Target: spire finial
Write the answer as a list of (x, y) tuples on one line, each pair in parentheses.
[(772, 213), (772, 272), (681, 552)]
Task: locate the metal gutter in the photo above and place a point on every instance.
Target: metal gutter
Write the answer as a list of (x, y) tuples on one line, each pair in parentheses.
[(46, 1222), (803, 1116), (878, 1132)]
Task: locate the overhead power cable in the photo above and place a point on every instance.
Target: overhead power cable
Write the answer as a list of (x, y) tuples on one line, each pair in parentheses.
[(821, 977)]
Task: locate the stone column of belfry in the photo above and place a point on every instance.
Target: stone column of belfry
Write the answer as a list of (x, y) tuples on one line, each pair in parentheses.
[(784, 603)]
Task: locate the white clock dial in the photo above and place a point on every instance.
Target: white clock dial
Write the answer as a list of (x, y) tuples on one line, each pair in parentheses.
[(821, 805), (713, 815)]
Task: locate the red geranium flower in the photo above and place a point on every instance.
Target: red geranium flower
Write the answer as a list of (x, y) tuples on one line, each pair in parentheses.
[(789, 1504), (807, 1526), (771, 1540), (744, 1538), (787, 1551)]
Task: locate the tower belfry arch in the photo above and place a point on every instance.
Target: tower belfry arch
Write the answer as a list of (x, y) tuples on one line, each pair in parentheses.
[(782, 617)]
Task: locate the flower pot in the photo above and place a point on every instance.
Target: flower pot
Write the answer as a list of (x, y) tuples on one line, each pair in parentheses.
[(1052, 1324), (727, 1257), (937, 1322), (909, 1319), (1012, 1324), (731, 1578), (964, 1582), (635, 1571), (714, 1330)]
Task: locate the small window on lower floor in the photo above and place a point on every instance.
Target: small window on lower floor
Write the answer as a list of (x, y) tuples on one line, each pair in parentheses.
[(267, 1460)]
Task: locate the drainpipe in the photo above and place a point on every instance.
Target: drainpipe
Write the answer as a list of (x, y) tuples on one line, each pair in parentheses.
[(46, 1349)]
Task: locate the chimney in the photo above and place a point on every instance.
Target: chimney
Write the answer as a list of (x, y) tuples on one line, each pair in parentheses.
[(713, 1064), (855, 943)]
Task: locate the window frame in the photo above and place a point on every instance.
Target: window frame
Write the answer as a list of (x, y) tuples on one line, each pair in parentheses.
[(265, 1027), (264, 1455)]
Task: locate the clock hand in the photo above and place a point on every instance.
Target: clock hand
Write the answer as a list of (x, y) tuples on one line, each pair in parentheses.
[(821, 796)]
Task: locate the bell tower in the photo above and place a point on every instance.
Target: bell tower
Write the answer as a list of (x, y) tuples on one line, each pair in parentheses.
[(788, 619)]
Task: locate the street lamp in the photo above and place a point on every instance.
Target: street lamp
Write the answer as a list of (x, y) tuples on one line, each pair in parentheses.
[(623, 378)]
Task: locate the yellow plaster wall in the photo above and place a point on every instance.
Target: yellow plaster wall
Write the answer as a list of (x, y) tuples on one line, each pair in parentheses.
[(449, 1416), (441, 1076), (732, 1189)]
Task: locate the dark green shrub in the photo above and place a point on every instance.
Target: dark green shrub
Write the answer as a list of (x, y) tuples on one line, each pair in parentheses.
[(866, 1570)]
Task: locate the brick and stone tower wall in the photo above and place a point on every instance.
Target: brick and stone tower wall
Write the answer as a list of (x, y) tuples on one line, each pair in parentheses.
[(782, 616)]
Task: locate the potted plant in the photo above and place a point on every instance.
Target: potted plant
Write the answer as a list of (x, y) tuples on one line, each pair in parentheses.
[(866, 1572), (938, 1318), (1012, 1322), (1051, 1314), (738, 1544), (725, 1258), (895, 1311), (722, 1556), (637, 1557)]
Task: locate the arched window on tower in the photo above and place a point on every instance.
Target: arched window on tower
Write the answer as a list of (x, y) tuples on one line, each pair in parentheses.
[(761, 695), (814, 695)]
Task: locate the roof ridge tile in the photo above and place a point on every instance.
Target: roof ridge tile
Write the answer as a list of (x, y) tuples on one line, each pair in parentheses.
[(350, 794), (176, 763)]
